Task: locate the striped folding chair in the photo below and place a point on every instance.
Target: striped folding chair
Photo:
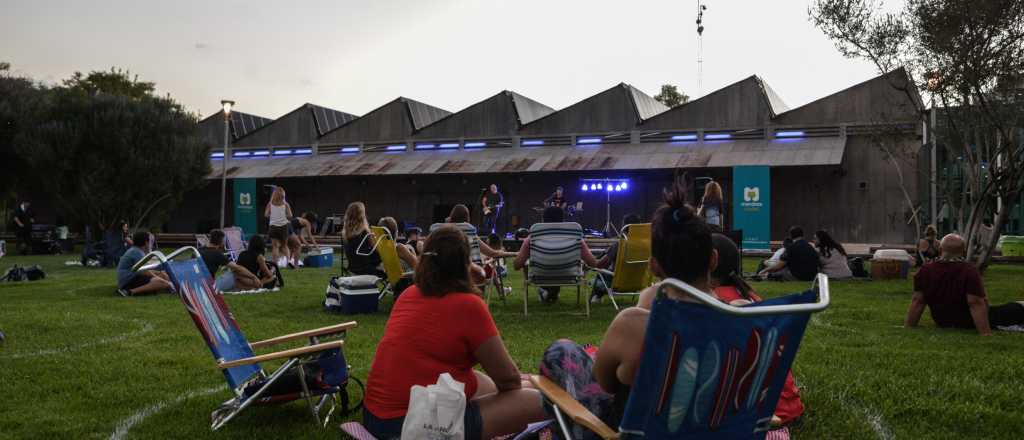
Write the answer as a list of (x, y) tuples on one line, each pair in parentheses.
[(555, 259), (234, 241), (477, 258), (316, 373), (709, 370)]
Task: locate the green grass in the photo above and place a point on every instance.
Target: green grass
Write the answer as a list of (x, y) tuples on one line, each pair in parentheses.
[(79, 360)]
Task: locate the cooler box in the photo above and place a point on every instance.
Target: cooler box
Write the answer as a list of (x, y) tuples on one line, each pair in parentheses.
[(352, 295), (1013, 245), (319, 257), (890, 264)]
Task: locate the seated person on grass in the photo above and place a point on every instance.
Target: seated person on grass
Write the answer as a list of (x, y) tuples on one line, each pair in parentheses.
[(607, 261), (213, 256), (798, 263), (552, 214), (952, 289), (130, 283), (441, 325), (267, 274)]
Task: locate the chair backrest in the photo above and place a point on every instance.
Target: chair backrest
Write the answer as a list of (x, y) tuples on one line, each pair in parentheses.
[(555, 252), (212, 317), (234, 242), (385, 245), (706, 374), (202, 240), (471, 236), (632, 259)]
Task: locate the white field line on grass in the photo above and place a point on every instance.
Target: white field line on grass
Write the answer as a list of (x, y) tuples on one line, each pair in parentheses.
[(144, 327), (126, 425), (871, 416)]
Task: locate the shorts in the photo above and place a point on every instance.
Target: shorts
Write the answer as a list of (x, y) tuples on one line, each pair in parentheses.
[(279, 233), (136, 281), (225, 282), (388, 429)]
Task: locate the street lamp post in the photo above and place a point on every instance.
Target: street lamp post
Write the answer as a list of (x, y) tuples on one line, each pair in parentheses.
[(226, 105)]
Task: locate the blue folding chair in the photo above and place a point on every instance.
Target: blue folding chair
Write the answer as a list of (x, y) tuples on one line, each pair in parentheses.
[(317, 370), (709, 370)]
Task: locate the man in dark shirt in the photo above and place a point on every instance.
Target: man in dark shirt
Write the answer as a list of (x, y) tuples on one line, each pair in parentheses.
[(798, 263), (131, 283), (495, 202), (213, 256), (23, 220), (952, 289)]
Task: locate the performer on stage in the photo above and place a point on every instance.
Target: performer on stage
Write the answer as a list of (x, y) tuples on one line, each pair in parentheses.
[(556, 199), (492, 202)]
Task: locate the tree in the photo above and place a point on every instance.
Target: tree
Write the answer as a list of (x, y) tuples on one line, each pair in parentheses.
[(21, 102), (107, 150), (960, 53), (671, 96)]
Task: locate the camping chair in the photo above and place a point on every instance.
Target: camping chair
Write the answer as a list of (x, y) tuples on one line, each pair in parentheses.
[(234, 242), (477, 258), (631, 273), (385, 247), (317, 370), (555, 259), (202, 240), (709, 369)]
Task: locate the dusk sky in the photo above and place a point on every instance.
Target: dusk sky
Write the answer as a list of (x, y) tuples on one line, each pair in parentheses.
[(352, 56)]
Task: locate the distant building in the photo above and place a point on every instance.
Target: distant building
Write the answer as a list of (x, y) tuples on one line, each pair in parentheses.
[(414, 161)]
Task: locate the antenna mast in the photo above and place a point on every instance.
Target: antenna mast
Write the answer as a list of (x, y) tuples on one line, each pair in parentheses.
[(700, 46)]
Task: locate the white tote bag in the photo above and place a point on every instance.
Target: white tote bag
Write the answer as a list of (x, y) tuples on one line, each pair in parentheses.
[(436, 412)]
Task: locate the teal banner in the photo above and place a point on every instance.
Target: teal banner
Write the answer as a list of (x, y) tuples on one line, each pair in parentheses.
[(751, 205), (245, 204)]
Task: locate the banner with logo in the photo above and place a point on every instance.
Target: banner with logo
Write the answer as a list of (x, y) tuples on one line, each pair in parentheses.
[(751, 205), (245, 204)]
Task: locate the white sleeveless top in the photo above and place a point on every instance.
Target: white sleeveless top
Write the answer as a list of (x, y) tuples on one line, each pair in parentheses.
[(278, 215)]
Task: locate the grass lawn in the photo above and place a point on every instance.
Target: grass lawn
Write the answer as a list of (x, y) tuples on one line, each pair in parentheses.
[(80, 361)]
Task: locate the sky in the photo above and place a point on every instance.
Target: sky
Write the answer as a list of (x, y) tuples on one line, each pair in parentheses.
[(354, 56)]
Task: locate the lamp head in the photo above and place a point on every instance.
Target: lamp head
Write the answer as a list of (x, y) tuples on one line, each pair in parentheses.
[(226, 105)]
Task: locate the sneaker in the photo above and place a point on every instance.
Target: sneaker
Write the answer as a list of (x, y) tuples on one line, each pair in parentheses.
[(595, 298), (124, 292), (542, 294)]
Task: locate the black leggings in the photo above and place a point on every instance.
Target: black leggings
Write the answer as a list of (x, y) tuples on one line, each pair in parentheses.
[(1006, 315)]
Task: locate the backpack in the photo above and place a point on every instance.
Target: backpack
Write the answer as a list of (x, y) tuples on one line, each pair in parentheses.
[(34, 273), (15, 273), (857, 268)]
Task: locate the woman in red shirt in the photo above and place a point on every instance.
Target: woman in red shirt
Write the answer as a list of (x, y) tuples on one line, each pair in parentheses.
[(440, 325)]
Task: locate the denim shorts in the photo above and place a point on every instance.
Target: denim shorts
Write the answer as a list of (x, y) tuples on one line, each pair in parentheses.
[(391, 429)]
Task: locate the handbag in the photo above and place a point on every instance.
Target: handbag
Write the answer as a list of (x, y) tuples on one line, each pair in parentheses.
[(436, 412)]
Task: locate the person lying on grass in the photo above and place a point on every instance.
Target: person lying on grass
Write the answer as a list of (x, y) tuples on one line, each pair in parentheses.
[(441, 325), (130, 283), (952, 289), (213, 256)]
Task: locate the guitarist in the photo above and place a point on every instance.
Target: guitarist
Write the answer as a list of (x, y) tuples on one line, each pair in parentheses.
[(492, 202)]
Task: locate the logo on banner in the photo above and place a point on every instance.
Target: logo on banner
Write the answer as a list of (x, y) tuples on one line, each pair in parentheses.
[(244, 199), (751, 198)]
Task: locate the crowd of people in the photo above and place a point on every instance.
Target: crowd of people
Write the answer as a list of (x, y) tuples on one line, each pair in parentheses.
[(440, 324)]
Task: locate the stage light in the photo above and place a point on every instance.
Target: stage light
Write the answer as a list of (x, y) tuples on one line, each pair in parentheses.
[(717, 136), (599, 186), (625, 185), (684, 137), (609, 188), (593, 186), (789, 134), (618, 187), (349, 150), (584, 188)]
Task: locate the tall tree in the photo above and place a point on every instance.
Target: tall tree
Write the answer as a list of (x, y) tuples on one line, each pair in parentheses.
[(671, 96), (961, 53), (21, 102), (107, 149)]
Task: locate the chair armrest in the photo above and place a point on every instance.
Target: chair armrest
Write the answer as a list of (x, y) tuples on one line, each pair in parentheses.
[(572, 408), (603, 271), (329, 330), (295, 352)]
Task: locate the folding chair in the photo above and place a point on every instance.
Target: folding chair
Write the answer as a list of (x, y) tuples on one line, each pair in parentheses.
[(709, 370), (385, 246), (477, 258), (631, 273), (317, 370), (234, 242), (202, 240), (555, 259)]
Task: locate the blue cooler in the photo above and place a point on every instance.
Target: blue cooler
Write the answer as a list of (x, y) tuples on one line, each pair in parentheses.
[(319, 257), (353, 295)]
